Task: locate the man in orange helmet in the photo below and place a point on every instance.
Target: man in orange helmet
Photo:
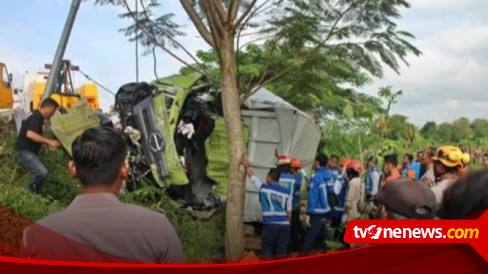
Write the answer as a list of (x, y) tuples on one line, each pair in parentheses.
[(287, 180)]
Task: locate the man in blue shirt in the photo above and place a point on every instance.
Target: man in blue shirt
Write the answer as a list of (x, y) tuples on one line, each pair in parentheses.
[(340, 187), (287, 180), (417, 167), (408, 171), (318, 208), (333, 168), (276, 205)]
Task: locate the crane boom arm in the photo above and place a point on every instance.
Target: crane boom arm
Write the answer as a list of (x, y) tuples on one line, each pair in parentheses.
[(63, 42)]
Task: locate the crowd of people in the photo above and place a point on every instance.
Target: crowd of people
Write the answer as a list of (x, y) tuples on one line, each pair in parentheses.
[(434, 185)]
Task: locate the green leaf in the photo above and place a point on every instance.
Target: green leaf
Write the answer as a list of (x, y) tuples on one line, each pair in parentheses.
[(348, 111)]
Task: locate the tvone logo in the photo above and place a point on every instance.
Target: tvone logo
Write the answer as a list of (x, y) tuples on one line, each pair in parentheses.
[(374, 232)]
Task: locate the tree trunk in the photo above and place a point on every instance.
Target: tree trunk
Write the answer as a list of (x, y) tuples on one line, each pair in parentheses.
[(234, 242), (360, 146)]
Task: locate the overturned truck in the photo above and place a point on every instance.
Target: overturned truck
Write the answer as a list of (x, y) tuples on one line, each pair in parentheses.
[(177, 140)]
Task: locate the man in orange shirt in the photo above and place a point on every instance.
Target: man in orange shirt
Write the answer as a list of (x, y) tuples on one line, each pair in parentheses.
[(390, 169)]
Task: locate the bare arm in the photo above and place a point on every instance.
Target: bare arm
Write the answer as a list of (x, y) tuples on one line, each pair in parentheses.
[(41, 139), (245, 162), (249, 171)]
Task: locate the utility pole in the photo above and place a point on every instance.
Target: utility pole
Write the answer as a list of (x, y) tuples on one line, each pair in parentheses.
[(137, 43), (58, 57)]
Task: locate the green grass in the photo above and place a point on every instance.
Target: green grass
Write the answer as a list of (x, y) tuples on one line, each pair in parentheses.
[(30, 205), (200, 238)]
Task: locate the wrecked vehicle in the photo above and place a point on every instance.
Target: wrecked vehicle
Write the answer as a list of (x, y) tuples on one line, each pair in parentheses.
[(177, 140)]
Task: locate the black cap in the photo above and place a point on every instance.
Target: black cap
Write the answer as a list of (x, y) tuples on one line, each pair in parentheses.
[(408, 198)]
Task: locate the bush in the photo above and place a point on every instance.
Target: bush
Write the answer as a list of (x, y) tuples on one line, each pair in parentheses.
[(26, 203), (18, 208), (58, 185)]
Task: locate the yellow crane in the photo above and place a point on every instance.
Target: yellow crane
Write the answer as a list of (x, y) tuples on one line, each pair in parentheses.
[(64, 92), (6, 91)]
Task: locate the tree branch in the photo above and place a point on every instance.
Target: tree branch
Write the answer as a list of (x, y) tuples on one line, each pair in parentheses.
[(239, 35), (256, 40), (232, 11), (216, 29), (197, 21), (170, 38), (163, 47), (315, 49), (334, 26), (256, 88), (268, 62), (155, 62), (219, 8), (241, 27), (246, 13)]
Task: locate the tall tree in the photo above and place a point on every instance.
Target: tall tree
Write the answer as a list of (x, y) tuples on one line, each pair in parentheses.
[(445, 133), (390, 96), (461, 129), (361, 33), (429, 129), (480, 128), (218, 23)]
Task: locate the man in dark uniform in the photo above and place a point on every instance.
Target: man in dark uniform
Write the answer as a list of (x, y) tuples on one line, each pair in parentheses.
[(30, 140)]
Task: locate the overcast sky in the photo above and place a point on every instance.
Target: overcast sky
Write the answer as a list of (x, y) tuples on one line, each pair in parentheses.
[(448, 81)]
